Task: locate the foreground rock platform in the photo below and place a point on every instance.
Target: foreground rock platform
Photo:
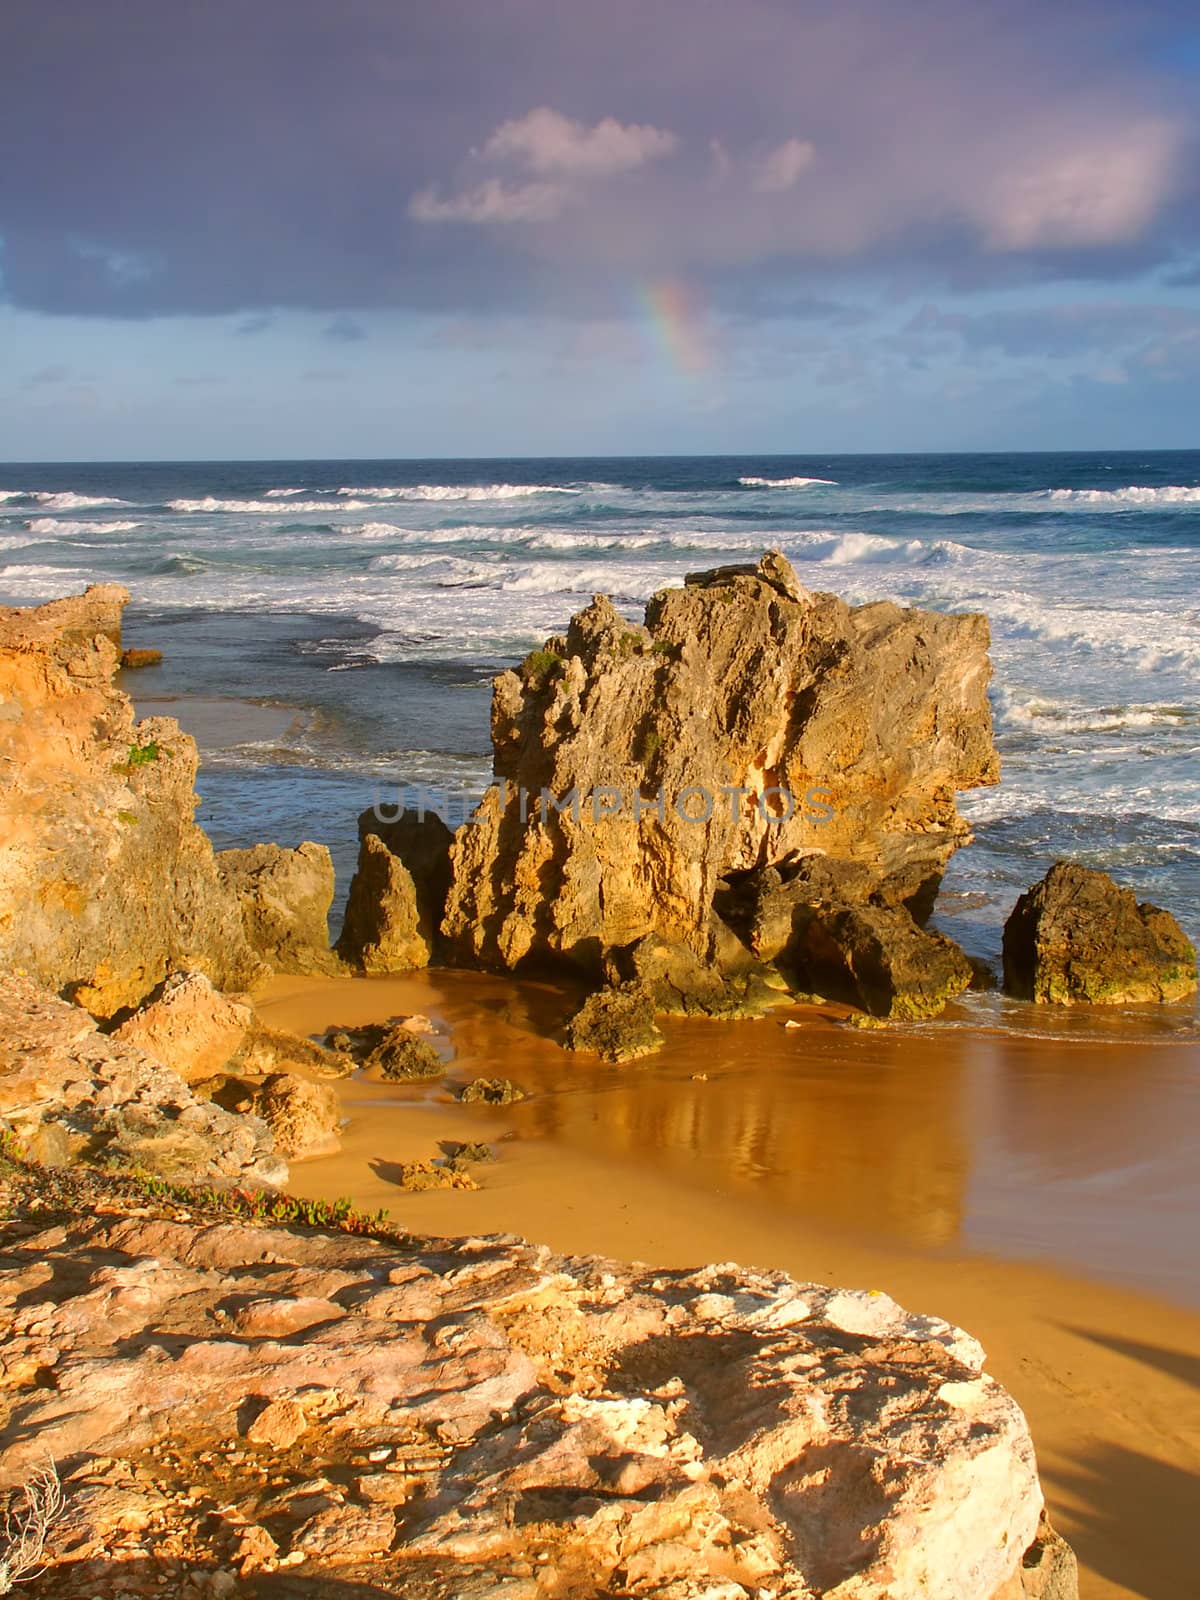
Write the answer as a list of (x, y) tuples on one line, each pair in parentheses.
[(245, 1408)]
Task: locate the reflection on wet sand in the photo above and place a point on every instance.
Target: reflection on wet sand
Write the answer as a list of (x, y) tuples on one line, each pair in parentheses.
[(875, 1160), (1077, 1149)]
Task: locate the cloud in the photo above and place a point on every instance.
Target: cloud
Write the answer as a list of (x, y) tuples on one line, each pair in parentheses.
[(1006, 141), (344, 330), (784, 166), (1101, 191), (547, 142), (490, 201), (553, 147)]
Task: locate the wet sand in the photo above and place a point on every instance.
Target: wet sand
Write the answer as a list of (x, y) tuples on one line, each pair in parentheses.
[(217, 724), (1041, 1193)]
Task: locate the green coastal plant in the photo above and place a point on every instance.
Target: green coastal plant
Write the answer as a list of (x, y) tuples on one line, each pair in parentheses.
[(540, 664), (140, 755), (129, 818)]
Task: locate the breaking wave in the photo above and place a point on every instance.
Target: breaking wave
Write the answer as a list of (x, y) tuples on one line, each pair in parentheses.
[(1134, 495), (784, 483), (68, 501), (65, 529), (454, 491)]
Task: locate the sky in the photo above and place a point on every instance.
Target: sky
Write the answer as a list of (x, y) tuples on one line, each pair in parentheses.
[(284, 228)]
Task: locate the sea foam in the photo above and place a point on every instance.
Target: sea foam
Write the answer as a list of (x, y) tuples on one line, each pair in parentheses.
[(784, 483), (63, 528), (1172, 494)]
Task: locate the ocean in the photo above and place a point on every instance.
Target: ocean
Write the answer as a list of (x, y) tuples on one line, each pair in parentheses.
[(379, 598)]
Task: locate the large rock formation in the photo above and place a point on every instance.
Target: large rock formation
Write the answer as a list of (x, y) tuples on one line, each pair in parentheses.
[(67, 1091), (489, 1420), (1077, 937), (398, 892), (772, 723), (284, 896), (106, 882)]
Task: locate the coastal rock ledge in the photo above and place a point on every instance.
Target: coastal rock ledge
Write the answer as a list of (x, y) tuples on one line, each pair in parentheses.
[(486, 1419)]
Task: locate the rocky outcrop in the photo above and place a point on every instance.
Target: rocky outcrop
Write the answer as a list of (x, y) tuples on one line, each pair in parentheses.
[(303, 1117), (876, 958), (396, 1051), (284, 896), (106, 882), (745, 723), (398, 892), (488, 1419), (616, 1023), (1078, 938), (188, 1026), (68, 1091)]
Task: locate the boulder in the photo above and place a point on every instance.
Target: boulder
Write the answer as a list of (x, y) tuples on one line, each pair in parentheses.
[(422, 841), (303, 1117), (188, 1026), (69, 1091), (284, 896), (384, 930), (106, 882), (876, 957), (681, 985), (617, 1024), (745, 722), (397, 1052), (266, 1050), (613, 1429), (491, 1092), (131, 660), (1078, 938)]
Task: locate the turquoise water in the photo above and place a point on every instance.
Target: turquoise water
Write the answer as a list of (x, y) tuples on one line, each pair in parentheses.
[(382, 596)]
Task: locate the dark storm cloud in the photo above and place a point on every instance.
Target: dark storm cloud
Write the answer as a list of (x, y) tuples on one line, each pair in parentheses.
[(213, 156)]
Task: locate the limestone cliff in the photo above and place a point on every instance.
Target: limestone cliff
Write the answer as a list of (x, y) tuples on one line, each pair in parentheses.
[(746, 723), (106, 882)]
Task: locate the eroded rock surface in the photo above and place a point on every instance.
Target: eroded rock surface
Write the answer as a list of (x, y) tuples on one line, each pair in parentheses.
[(284, 896), (791, 722), (489, 1419), (106, 882), (67, 1090), (1077, 937), (188, 1026)]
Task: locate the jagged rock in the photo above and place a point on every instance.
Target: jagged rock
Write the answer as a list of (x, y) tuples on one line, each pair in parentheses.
[(189, 1026), (63, 1081), (106, 882), (285, 896), (383, 930), (265, 1050), (717, 1432), (303, 1117), (878, 958), (1077, 937), (616, 1024), (682, 985), (765, 906), (400, 1053), (398, 893), (741, 693), (422, 841), (491, 1092), (132, 660), (279, 1424)]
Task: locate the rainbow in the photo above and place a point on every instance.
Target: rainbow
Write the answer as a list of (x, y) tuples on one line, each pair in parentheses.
[(674, 318)]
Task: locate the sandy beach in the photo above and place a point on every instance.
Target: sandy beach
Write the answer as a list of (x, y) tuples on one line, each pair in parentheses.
[(937, 1168)]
